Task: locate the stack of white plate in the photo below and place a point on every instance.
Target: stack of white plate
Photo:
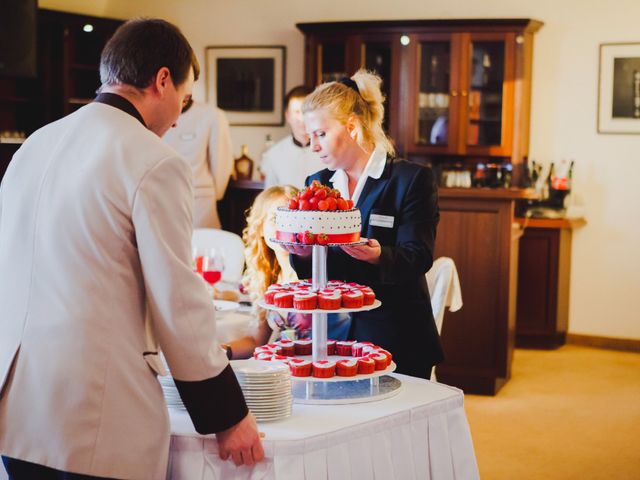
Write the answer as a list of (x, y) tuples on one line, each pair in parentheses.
[(171, 395), (266, 387)]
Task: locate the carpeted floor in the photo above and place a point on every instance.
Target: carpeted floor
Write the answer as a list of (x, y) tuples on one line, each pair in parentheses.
[(571, 413)]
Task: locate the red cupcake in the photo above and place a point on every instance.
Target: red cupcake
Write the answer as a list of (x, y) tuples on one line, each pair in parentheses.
[(388, 355), (300, 367), (344, 348), (303, 346), (324, 369), (287, 348), (331, 347), (380, 360), (366, 365), (352, 299), (305, 300), (283, 299), (356, 348), (329, 299), (347, 367), (369, 295)]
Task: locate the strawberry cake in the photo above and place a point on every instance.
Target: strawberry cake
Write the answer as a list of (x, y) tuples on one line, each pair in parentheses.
[(318, 215)]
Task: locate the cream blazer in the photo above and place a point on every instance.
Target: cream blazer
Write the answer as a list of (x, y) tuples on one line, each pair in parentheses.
[(202, 137), (95, 232)]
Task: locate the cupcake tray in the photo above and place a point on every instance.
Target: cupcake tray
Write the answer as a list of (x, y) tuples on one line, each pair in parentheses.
[(335, 378), (269, 306)]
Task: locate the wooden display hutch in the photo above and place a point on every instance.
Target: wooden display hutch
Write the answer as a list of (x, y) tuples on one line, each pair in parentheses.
[(457, 90), (67, 78)]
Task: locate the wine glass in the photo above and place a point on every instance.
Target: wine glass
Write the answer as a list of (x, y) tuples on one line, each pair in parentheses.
[(212, 267), (197, 256)]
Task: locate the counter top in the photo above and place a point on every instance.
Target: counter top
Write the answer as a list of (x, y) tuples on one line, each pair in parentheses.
[(488, 193), (575, 222)]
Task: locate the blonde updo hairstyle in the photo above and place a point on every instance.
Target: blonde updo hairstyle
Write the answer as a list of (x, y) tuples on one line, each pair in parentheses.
[(342, 101), (263, 268)]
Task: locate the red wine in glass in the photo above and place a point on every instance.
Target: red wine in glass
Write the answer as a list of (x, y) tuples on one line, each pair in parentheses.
[(212, 276)]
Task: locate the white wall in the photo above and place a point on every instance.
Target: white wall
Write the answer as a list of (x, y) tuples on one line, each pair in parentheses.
[(605, 284)]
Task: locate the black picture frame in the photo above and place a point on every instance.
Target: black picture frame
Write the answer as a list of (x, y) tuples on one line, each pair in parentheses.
[(247, 82)]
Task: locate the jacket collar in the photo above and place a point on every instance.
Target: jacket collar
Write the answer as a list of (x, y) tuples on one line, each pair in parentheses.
[(373, 169), (120, 103), (372, 190)]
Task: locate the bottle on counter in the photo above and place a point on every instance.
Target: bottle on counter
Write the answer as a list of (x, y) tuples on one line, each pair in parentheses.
[(243, 165)]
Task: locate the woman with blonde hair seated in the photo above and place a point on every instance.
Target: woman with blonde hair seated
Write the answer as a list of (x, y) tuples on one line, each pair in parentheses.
[(267, 263)]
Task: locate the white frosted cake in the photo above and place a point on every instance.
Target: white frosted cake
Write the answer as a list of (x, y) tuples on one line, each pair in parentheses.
[(318, 215), (340, 226)]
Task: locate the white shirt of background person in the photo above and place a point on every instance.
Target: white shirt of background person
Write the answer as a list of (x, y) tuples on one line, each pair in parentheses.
[(290, 161)]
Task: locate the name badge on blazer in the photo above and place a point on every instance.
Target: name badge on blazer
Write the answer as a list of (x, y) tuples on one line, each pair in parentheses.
[(377, 220)]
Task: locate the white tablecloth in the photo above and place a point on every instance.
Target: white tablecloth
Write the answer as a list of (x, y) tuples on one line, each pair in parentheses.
[(420, 433)]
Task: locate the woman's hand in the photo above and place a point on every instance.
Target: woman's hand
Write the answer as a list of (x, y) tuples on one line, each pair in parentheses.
[(369, 253), (300, 250)]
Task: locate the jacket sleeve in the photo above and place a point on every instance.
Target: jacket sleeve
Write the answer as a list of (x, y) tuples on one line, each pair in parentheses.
[(181, 310), (220, 153)]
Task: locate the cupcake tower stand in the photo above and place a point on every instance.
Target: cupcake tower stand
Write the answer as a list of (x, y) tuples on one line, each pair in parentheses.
[(335, 390)]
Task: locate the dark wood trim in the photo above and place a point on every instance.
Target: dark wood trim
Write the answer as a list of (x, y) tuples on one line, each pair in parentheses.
[(608, 343), (526, 24)]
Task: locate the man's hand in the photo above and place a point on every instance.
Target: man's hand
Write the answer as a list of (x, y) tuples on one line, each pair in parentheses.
[(369, 253), (241, 442)]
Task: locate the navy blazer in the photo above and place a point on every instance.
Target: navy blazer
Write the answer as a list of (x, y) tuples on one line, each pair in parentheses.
[(404, 323)]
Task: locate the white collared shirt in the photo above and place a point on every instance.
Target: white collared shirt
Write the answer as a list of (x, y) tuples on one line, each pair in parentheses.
[(374, 168)]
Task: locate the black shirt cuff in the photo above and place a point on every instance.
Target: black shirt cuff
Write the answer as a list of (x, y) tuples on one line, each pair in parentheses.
[(214, 404)]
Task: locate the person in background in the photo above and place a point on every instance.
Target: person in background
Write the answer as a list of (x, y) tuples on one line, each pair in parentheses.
[(201, 135), (399, 206), (95, 262), (290, 161), (267, 263)]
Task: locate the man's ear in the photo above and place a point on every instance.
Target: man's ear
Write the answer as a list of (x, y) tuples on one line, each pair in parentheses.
[(162, 80)]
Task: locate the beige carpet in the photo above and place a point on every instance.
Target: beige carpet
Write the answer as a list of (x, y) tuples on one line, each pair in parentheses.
[(571, 413)]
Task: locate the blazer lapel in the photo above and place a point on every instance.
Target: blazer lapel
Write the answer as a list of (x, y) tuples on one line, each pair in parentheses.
[(371, 191)]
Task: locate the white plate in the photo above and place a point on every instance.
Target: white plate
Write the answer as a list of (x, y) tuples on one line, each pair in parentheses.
[(376, 303), (261, 368), (225, 305)]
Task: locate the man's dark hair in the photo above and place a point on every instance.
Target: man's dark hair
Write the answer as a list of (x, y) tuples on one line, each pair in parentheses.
[(141, 47), (300, 91)]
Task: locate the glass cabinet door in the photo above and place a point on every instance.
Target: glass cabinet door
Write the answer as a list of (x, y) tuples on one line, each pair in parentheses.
[(486, 96), (333, 61), (376, 57), (433, 94)]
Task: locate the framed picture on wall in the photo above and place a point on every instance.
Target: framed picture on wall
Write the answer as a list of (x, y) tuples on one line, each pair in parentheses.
[(247, 83), (619, 88)]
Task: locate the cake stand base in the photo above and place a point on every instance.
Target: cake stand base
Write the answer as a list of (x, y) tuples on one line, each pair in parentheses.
[(343, 392)]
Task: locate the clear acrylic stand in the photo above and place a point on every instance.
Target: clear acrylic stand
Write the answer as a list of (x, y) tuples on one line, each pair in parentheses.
[(339, 390)]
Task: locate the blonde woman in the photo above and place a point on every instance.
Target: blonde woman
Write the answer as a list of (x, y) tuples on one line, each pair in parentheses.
[(398, 202), (266, 263)]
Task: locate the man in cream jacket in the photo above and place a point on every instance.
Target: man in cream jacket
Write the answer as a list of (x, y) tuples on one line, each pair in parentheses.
[(95, 230)]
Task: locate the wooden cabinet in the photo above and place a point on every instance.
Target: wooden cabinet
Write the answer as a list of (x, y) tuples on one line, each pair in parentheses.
[(68, 52), (237, 199), (476, 229), (543, 282), (457, 90)]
